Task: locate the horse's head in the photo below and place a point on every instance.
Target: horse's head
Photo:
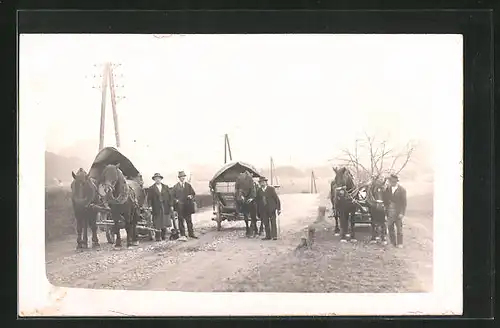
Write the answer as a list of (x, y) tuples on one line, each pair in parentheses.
[(244, 186), (376, 192), (111, 176), (343, 177), (81, 187)]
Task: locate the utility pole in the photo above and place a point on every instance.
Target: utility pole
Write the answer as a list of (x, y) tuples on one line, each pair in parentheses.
[(356, 158), (108, 80), (104, 91), (227, 149), (271, 168), (113, 105), (314, 190)]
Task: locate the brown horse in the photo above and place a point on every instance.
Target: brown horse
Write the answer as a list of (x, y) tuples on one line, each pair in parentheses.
[(83, 196), (122, 201), (245, 194)]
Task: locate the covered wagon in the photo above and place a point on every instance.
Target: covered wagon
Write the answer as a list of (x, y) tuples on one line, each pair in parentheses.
[(223, 190), (111, 156)]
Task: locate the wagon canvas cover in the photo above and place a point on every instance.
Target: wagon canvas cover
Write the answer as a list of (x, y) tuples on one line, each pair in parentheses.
[(111, 156), (230, 172)]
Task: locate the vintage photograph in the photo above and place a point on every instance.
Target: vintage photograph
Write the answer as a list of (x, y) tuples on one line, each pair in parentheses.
[(241, 163)]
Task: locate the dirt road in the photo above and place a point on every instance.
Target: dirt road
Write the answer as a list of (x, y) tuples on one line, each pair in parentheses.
[(227, 261)]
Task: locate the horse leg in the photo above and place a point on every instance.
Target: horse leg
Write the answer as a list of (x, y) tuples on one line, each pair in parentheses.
[(351, 223), (337, 228), (253, 222), (344, 218), (247, 228), (116, 219), (93, 227), (85, 221), (79, 227), (130, 224), (133, 232)]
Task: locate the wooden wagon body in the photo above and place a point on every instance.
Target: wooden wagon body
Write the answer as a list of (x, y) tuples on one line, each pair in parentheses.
[(362, 213), (222, 187), (111, 156)]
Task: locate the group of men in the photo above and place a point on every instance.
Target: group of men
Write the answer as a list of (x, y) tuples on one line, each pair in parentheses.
[(163, 201)]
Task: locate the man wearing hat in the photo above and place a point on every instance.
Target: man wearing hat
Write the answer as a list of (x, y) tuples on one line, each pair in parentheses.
[(184, 194), (395, 204), (161, 203), (268, 204)]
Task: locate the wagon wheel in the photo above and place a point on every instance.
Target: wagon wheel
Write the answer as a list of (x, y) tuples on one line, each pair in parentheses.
[(218, 220)]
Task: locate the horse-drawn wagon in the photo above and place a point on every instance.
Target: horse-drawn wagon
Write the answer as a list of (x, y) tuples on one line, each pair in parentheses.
[(223, 188), (111, 156)]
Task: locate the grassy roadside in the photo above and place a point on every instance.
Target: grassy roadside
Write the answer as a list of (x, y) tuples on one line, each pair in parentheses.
[(351, 268)]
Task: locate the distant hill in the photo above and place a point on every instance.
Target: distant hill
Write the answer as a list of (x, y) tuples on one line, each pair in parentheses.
[(83, 149), (58, 168)]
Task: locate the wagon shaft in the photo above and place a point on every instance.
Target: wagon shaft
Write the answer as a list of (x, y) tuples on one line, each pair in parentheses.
[(140, 227)]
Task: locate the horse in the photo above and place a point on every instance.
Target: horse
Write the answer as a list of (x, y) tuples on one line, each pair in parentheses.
[(83, 196), (121, 196), (376, 206), (245, 194), (344, 194)]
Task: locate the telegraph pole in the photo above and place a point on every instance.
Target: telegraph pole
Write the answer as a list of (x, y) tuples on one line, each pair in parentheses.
[(271, 168), (108, 80), (314, 190), (356, 157), (113, 105), (227, 149), (104, 91)]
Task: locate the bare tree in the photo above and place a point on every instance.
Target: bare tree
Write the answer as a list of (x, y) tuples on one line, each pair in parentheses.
[(372, 157)]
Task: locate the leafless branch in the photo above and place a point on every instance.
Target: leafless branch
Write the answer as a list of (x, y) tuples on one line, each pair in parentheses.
[(377, 153)]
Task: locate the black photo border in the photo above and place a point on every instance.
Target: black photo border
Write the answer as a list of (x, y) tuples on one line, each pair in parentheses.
[(473, 20)]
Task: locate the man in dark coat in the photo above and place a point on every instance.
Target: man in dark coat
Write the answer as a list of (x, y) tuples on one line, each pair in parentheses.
[(184, 194), (395, 204), (269, 206), (160, 201)]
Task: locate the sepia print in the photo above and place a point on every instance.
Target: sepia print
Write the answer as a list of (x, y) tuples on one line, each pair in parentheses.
[(247, 163)]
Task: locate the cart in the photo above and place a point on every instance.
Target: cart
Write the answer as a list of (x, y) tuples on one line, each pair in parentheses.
[(222, 188), (111, 156)]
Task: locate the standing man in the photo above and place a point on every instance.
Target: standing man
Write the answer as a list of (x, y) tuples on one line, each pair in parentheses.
[(395, 203), (269, 205), (184, 194), (160, 201)]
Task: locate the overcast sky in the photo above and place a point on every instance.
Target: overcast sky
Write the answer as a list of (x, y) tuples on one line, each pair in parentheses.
[(295, 97)]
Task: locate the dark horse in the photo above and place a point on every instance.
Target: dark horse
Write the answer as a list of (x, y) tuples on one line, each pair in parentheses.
[(344, 198), (121, 197), (377, 209), (83, 196), (245, 194)]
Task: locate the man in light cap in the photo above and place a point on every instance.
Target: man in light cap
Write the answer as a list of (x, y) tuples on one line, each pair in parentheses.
[(184, 194), (395, 204), (161, 204)]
